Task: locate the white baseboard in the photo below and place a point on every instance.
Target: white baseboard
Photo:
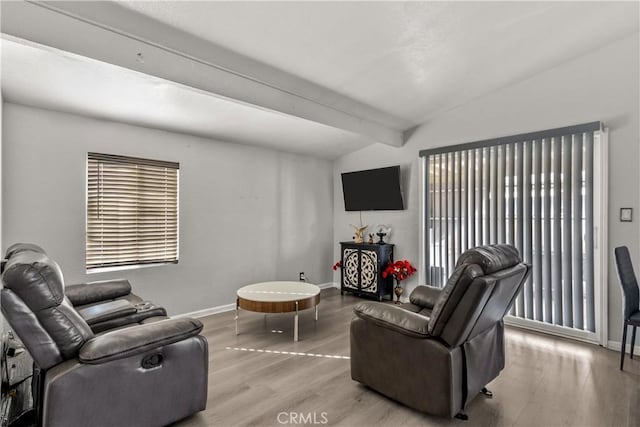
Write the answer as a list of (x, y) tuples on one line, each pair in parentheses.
[(615, 345), (208, 311), (329, 285), (232, 306)]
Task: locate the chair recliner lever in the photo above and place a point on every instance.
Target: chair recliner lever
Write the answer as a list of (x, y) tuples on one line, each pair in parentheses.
[(152, 361)]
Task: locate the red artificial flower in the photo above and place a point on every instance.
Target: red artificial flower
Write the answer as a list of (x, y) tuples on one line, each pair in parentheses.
[(337, 265), (400, 270)]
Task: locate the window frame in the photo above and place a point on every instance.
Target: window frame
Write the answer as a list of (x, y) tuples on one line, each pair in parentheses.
[(132, 264)]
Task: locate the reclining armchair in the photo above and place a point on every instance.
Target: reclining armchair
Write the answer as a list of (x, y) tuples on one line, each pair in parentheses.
[(102, 356), (439, 351)]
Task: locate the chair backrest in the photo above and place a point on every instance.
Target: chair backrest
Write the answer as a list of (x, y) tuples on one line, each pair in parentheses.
[(628, 281), (478, 294), (34, 304)]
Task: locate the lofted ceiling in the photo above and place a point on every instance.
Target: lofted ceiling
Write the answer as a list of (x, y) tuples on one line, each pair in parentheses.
[(409, 59), (318, 78)]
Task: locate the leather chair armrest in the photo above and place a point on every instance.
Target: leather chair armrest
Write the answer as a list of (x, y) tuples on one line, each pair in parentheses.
[(137, 339), (107, 311), (87, 293), (425, 296), (394, 318)]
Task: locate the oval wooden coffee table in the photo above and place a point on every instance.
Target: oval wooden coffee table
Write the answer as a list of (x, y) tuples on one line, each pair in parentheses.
[(278, 297)]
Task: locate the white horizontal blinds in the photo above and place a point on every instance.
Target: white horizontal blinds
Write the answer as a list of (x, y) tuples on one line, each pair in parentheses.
[(132, 211), (534, 191)]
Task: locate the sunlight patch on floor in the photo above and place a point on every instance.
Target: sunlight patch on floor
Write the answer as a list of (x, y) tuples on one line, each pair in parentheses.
[(288, 353), (547, 343)]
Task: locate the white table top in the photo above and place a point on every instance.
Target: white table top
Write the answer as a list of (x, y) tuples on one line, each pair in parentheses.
[(278, 291)]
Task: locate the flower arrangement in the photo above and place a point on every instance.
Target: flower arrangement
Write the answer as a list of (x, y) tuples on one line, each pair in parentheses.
[(400, 270), (337, 265)]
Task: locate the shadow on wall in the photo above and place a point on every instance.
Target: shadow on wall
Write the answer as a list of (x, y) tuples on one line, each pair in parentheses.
[(406, 177), (301, 219)]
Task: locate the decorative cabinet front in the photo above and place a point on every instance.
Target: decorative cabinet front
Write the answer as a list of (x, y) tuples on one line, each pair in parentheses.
[(362, 266)]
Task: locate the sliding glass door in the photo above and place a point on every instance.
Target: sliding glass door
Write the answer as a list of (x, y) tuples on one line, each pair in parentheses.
[(534, 191)]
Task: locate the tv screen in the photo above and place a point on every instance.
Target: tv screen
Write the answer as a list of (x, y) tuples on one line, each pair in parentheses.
[(372, 190)]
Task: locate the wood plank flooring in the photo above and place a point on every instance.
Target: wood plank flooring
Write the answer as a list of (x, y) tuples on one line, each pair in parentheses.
[(547, 381)]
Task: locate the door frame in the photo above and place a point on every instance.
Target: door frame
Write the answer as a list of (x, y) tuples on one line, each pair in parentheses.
[(600, 256)]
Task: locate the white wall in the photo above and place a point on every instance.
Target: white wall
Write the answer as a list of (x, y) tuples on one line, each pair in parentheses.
[(246, 214), (2, 323), (603, 85)]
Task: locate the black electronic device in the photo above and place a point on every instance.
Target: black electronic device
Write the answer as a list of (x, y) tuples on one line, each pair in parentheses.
[(373, 190)]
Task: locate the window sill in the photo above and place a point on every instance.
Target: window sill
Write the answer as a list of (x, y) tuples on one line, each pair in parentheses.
[(128, 267)]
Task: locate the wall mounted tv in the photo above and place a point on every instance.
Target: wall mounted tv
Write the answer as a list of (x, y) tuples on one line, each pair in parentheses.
[(372, 190)]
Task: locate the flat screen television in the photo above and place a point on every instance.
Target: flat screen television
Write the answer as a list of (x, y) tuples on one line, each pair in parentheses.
[(373, 190)]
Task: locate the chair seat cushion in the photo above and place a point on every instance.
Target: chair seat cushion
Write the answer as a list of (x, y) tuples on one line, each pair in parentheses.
[(417, 309), (634, 319)]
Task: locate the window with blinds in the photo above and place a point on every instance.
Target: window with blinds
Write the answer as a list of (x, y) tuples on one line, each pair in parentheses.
[(132, 211), (533, 191)]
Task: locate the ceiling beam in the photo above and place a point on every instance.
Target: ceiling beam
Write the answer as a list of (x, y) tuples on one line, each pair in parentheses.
[(110, 33)]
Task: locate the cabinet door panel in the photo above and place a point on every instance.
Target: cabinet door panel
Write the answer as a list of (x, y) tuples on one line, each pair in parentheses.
[(369, 271), (350, 269)]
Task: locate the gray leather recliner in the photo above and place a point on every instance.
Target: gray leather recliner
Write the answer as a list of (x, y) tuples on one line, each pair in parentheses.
[(135, 367), (439, 351)]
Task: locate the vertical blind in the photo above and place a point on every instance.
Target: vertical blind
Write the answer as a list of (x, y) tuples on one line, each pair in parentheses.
[(534, 191), (132, 211)]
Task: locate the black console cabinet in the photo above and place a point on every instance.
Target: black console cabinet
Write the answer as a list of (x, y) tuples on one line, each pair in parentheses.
[(362, 266)]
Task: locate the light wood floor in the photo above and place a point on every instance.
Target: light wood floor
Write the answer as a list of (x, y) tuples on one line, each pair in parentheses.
[(547, 381)]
